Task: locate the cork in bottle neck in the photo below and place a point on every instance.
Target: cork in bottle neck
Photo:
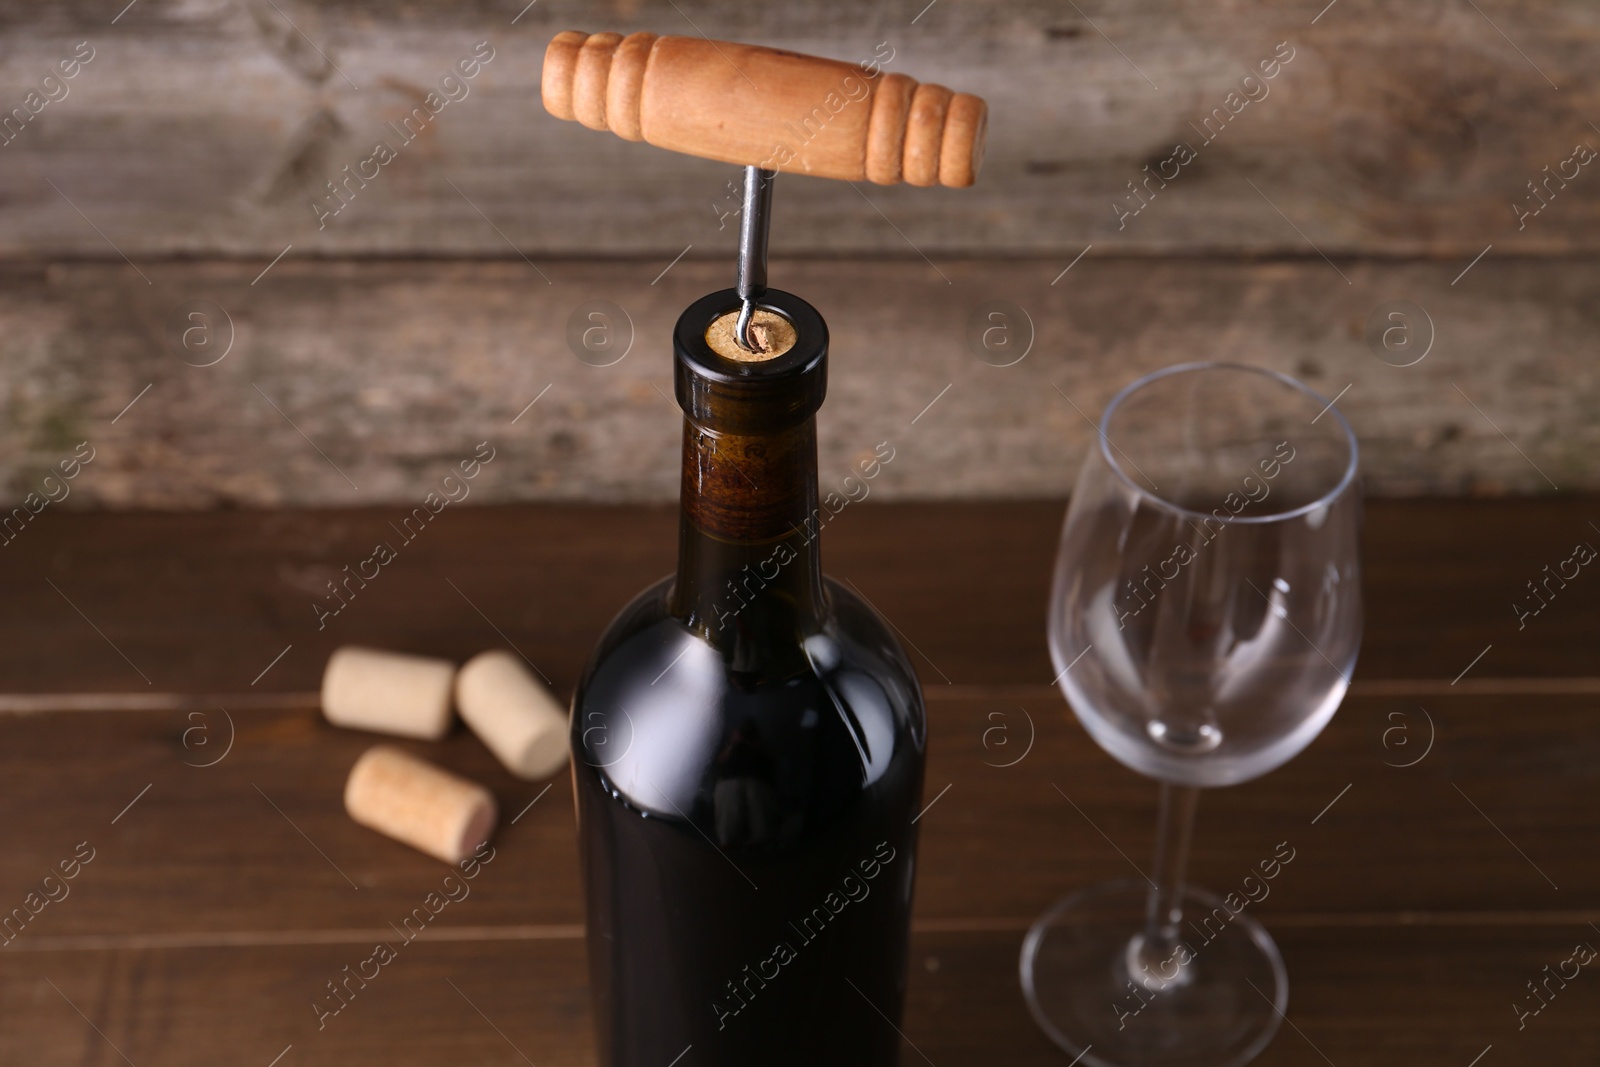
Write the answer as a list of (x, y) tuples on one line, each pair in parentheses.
[(748, 563)]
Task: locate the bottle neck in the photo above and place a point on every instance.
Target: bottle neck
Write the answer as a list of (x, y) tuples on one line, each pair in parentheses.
[(749, 579)]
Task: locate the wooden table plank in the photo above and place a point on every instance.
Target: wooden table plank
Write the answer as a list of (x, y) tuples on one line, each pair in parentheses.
[(221, 898), (203, 603), (257, 847), (1378, 998)]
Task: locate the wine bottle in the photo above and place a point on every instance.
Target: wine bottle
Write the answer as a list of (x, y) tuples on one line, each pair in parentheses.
[(748, 743)]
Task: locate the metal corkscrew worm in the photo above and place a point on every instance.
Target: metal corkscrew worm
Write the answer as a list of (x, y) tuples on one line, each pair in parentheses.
[(754, 225)]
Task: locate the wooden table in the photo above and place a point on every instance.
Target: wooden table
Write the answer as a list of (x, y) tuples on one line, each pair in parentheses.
[(221, 898)]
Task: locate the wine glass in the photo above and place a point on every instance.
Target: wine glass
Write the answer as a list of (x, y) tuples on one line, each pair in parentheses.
[(1204, 621)]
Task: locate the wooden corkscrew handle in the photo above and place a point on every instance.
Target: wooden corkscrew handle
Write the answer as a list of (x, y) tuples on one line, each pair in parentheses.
[(756, 106)]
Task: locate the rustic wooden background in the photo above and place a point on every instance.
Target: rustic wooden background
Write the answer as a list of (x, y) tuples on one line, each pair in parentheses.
[(1382, 166)]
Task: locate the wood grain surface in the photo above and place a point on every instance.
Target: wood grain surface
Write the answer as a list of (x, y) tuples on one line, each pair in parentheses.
[(208, 127), (364, 383), (240, 869), (1390, 998), (1337, 168), (1439, 826), (205, 603)]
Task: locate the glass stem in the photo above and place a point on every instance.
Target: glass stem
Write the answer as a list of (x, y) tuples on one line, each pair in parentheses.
[(1174, 829)]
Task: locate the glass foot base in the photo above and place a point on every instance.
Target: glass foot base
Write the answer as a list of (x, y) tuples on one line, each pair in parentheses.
[(1111, 1002)]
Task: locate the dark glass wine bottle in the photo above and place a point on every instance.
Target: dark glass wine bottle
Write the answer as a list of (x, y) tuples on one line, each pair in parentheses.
[(748, 744)]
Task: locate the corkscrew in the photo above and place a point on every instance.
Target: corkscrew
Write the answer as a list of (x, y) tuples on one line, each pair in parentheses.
[(770, 111)]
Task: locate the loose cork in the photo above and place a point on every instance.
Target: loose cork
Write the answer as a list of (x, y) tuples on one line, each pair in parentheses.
[(513, 714), (414, 802), (388, 692), (772, 332)]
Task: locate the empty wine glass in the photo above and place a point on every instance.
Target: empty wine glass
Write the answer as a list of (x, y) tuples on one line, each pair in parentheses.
[(1204, 621)]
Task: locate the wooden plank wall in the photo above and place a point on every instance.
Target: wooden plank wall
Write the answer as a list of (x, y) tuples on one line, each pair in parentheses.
[(1388, 160)]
